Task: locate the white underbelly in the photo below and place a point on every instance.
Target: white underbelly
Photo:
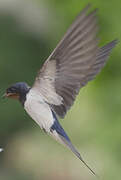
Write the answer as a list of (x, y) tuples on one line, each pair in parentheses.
[(39, 110)]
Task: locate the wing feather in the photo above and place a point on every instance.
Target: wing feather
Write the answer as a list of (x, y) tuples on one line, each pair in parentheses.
[(76, 60)]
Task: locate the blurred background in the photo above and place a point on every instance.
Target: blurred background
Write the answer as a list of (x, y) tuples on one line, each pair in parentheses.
[(29, 30)]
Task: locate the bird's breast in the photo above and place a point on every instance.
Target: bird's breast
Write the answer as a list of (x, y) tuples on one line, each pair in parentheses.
[(39, 110)]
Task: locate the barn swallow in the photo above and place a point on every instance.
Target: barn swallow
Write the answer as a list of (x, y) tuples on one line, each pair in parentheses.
[(75, 61)]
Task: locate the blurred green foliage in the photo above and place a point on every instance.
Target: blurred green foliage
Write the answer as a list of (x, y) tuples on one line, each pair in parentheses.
[(29, 30)]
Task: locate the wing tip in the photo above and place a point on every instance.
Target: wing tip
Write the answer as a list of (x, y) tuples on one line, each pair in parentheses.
[(111, 44), (87, 7), (114, 42)]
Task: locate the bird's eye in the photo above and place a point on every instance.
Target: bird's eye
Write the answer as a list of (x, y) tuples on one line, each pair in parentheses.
[(11, 89)]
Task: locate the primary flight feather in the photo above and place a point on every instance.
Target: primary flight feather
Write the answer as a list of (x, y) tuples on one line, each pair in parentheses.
[(76, 60)]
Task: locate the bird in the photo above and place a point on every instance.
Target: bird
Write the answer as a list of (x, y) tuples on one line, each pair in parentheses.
[(75, 61)]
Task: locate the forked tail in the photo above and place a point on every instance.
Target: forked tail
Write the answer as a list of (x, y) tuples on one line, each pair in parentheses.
[(58, 133), (73, 149)]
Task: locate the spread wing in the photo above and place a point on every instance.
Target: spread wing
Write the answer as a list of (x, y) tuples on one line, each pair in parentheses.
[(75, 61)]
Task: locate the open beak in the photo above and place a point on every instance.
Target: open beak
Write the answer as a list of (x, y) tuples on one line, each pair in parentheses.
[(11, 95), (8, 95)]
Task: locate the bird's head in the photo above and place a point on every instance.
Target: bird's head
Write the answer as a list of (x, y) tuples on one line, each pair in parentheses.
[(17, 91)]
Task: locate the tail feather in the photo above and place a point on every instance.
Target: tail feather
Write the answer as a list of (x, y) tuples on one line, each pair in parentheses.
[(73, 149), (58, 133)]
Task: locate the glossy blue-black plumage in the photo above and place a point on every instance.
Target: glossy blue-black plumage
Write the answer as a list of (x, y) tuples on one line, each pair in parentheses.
[(56, 126), (20, 88)]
